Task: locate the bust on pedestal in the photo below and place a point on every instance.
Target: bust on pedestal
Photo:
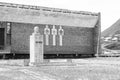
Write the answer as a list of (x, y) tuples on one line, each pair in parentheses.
[(36, 47)]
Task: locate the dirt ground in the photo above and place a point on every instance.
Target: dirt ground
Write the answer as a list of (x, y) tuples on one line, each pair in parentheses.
[(84, 69)]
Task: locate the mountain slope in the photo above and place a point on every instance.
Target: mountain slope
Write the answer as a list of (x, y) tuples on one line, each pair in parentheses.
[(115, 28)]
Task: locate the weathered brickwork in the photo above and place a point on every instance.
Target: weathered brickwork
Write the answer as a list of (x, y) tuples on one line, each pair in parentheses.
[(30, 7), (97, 36), (75, 40), (47, 17)]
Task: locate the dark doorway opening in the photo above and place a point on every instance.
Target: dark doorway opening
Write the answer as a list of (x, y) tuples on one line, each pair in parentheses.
[(2, 30)]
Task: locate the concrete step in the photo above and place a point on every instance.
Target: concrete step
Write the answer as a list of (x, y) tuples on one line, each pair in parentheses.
[(56, 64)]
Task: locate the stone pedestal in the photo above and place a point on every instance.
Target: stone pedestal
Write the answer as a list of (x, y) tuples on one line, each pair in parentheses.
[(36, 47)]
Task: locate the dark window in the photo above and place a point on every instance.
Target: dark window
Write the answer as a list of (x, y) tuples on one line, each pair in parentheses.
[(2, 38)]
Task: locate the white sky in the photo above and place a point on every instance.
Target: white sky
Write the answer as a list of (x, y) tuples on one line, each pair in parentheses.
[(109, 9)]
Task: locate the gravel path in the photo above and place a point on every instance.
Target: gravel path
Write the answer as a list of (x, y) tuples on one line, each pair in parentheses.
[(104, 69)]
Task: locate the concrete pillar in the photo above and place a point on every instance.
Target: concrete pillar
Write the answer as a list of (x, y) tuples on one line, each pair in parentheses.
[(36, 47)]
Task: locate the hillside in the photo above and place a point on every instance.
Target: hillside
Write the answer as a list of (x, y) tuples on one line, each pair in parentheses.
[(114, 29)]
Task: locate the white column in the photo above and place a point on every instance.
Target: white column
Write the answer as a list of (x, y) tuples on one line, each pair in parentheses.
[(47, 39), (61, 33), (47, 33), (54, 40), (61, 43), (54, 33)]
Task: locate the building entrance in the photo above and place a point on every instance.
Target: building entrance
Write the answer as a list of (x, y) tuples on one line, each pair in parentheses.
[(2, 30)]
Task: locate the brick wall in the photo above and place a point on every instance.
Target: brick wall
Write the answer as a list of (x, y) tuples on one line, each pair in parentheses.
[(75, 39)]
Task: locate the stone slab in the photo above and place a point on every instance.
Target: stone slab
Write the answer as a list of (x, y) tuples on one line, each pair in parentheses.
[(58, 60)]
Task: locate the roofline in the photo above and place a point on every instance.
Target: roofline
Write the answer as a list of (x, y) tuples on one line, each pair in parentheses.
[(31, 7)]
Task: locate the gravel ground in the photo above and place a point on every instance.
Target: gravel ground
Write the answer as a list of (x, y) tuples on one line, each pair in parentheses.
[(80, 71)]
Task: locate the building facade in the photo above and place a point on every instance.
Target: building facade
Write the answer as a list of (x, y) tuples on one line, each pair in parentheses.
[(65, 31)]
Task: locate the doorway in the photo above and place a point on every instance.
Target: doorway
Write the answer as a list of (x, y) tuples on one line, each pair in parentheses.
[(2, 35)]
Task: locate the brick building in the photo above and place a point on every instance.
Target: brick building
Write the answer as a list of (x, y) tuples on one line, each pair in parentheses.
[(75, 32)]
